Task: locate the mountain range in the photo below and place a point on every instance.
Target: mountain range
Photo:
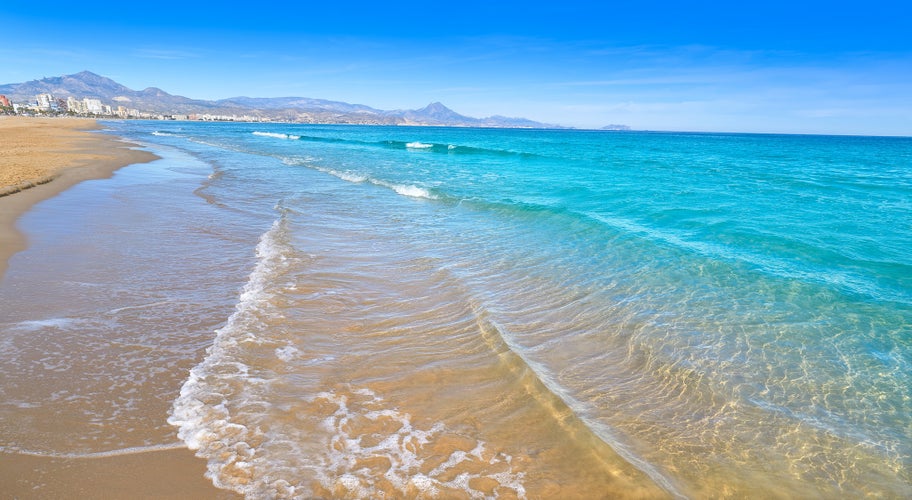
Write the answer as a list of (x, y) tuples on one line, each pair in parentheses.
[(293, 109)]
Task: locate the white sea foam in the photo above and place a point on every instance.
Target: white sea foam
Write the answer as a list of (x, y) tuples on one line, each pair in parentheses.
[(345, 176), (406, 189), (200, 412), (287, 353), (419, 145), (412, 191), (277, 135), (40, 324), (133, 450), (337, 439), (297, 161), (402, 450), (357, 178), (164, 134)]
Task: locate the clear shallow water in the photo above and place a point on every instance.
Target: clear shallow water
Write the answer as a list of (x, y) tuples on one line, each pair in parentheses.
[(105, 312), (554, 313), (730, 314)]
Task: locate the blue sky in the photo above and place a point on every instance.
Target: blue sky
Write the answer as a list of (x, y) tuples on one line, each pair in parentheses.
[(772, 66)]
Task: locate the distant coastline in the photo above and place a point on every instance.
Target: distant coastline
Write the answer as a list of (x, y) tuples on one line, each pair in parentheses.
[(89, 95), (616, 128)]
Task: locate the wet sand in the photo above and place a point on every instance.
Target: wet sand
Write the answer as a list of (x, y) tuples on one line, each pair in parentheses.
[(40, 158), (158, 474)]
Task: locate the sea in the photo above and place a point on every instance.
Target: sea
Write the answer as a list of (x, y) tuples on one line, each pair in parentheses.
[(339, 311)]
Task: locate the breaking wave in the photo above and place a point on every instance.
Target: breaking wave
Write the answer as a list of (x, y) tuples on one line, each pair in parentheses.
[(410, 190), (276, 135)]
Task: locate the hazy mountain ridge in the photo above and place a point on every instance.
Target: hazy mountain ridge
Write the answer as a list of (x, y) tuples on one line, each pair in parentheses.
[(295, 103), (294, 109)]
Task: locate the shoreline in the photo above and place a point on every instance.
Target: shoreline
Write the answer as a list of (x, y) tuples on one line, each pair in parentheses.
[(171, 473), (39, 159), (42, 157)]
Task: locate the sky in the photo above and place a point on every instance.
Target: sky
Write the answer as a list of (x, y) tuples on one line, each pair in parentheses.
[(771, 67)]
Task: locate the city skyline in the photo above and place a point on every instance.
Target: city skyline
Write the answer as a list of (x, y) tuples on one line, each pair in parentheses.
[(776, 67)]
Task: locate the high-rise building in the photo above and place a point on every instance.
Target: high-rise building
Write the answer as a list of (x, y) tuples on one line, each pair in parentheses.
[(45, 101), (93, 106), (4, 101), (75, 105)]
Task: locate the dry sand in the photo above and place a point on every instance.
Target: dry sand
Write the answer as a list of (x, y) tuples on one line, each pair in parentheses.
[(39, 158)]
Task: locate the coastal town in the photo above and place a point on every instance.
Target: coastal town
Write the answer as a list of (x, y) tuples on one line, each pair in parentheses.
[(89, 95), (87, 107)]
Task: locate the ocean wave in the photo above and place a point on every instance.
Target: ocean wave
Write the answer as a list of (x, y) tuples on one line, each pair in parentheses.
[(345, 176), (542, 385), (277, 135), (446, 147), (844, 281), (407, 190), (343, 442), (159, 133), (410, 190), (203, 421)]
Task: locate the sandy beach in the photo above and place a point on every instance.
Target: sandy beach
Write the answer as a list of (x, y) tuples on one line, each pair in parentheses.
[(40, 158), (43, 157)]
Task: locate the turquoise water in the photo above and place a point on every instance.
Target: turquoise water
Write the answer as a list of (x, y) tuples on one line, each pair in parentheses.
[(724, 314)]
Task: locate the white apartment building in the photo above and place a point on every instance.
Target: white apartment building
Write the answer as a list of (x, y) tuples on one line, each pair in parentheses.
[(93, 106), (74, 105), (45, 101)]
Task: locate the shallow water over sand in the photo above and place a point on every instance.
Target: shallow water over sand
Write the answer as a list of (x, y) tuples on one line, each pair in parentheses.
[(109, 307), (334, 312)]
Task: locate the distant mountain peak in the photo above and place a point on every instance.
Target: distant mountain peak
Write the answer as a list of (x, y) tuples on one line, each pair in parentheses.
[(436, 106), (86, 74), (295, 109), (88, 77), (437, 114)]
